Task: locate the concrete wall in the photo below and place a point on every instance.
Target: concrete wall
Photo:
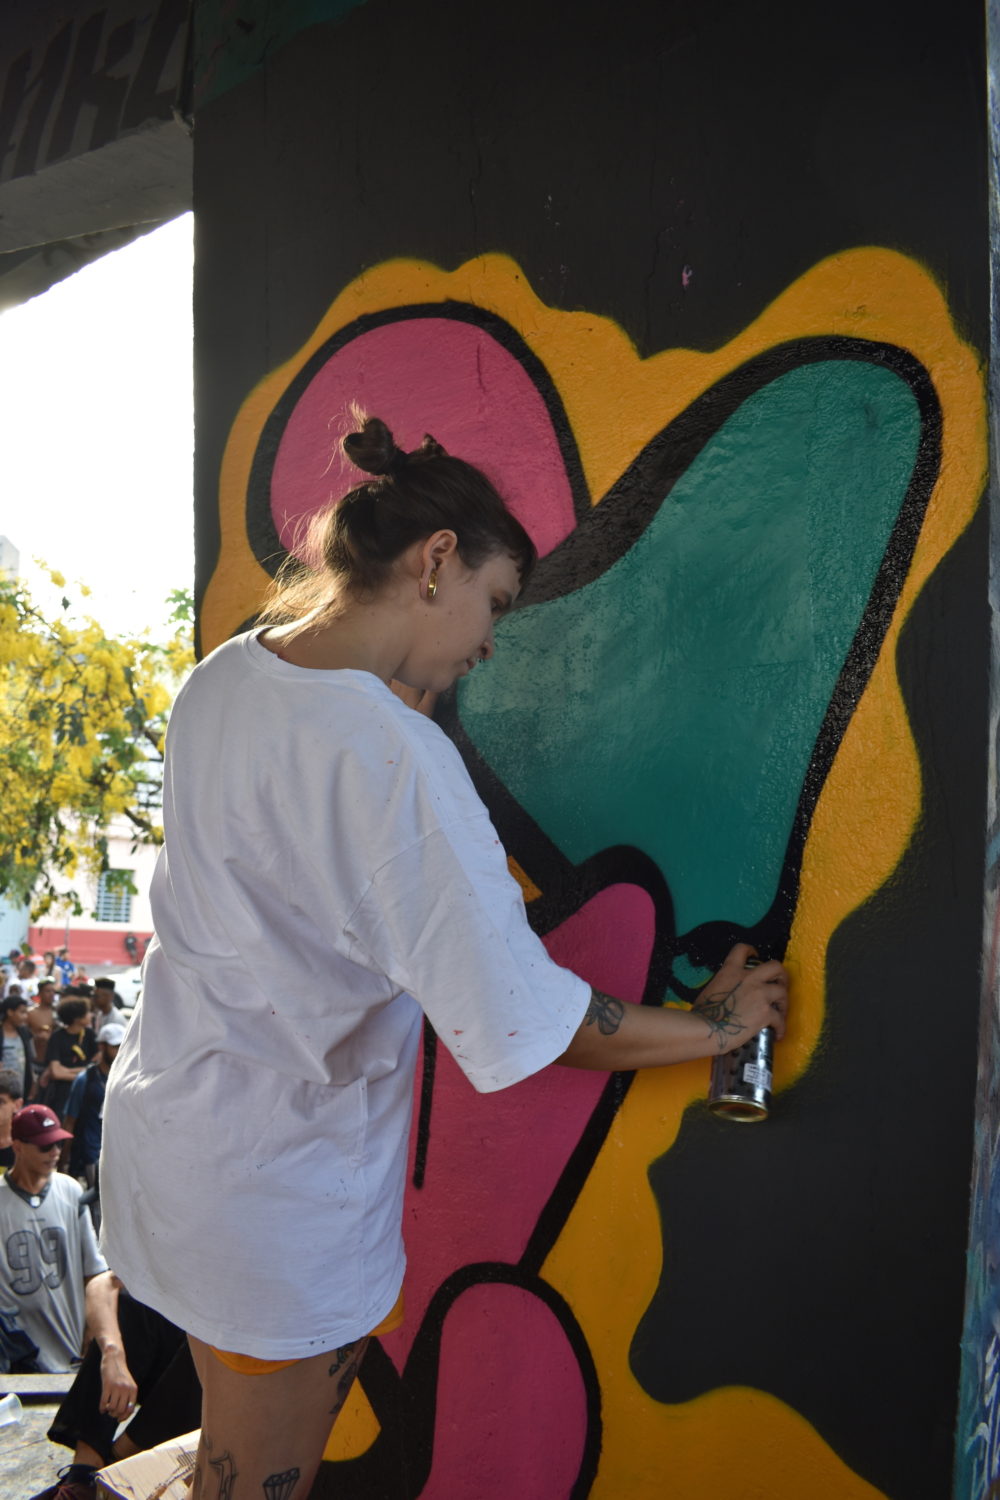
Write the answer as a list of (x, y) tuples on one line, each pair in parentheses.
[(706, 293), (93, 149)]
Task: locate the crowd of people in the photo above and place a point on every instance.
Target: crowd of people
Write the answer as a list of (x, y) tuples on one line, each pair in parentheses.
[(61, 1308), (59, 1034)]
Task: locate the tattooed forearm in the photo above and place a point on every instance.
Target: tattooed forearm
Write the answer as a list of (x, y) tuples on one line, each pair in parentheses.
[(718, 1011), (280, 1486), (606, 1011)]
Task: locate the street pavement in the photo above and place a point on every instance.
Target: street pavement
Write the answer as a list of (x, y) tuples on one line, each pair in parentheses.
[(28, 1461)]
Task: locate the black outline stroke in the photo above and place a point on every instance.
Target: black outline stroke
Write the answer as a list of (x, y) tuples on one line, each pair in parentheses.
[(262, 534)]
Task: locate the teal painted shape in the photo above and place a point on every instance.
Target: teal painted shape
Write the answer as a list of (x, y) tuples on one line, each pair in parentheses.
[(231, 44), (673, 702)]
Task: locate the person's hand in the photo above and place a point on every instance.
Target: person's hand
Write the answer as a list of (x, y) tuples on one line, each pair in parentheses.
[(739, 1002), (118, 1389)]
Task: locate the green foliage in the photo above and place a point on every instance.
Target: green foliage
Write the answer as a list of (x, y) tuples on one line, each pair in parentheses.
[(82, 719)]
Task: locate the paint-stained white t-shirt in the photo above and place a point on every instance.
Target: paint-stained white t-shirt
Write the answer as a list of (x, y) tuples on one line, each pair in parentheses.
[(329, 875)]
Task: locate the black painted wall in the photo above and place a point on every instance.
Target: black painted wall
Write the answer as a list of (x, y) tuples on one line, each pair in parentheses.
[(675, 168)]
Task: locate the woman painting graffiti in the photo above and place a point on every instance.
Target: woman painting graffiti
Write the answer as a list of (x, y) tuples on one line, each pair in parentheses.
[(329, 877)]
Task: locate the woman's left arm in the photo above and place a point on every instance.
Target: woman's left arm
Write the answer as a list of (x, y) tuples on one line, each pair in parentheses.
[(731, 1009)]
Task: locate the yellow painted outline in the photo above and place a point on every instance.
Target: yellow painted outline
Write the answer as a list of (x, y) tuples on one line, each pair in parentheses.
[(866, 814)]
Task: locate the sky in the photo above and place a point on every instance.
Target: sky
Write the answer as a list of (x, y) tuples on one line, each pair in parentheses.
[(96, 430)]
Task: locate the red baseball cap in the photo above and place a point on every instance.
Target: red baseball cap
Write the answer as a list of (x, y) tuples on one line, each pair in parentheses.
[(37, 1125)]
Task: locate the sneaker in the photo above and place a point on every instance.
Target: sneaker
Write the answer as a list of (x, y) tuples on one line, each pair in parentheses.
[(77, 1482)]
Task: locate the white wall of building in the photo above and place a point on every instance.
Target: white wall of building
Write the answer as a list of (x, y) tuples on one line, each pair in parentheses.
[(89, 939)]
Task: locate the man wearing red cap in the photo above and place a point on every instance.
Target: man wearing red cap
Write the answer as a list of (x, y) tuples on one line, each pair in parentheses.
[(48, 1251)]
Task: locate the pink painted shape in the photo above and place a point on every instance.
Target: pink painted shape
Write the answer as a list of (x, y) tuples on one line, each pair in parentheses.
[(511, 1404), (421, 375), (494, 1159)]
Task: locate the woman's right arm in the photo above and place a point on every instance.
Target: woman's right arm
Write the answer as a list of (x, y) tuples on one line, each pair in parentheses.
[(731, 1009)]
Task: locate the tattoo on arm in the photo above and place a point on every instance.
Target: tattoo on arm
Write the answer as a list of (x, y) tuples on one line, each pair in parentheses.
[(227, 1475), (718, 1011), (280, 1486), (606, 1011)]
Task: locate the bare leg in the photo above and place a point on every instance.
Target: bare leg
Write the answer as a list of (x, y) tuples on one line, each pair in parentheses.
[(124, 1447), (83, 1453), (262, 1436)]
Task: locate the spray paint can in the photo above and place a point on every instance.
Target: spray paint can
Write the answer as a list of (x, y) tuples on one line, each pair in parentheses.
[(740, 1085)]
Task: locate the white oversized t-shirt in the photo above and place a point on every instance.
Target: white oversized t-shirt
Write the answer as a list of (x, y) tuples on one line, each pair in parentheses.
[(329, 874)]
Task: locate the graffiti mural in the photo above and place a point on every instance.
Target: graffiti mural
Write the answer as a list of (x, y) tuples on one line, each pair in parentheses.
[(693, 731)]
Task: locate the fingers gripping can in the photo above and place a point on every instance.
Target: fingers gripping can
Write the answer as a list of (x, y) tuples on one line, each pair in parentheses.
[(740, 1085)]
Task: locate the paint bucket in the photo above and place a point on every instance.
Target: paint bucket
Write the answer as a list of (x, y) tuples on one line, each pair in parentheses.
[(740, 1086)]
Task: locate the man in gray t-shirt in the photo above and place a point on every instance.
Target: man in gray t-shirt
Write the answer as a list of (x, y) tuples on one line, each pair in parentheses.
[(48, 1251)]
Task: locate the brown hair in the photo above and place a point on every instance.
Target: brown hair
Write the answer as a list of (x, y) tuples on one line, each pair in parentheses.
[(352, 546), (11, 1086)]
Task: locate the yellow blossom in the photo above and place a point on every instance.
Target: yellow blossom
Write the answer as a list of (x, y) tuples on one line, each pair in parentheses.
[(82, 719)]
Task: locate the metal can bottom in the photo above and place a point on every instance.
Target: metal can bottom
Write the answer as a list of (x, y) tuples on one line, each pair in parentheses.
[(737, 1107)]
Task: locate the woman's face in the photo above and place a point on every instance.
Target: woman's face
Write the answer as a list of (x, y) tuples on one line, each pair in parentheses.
[(455, 626)]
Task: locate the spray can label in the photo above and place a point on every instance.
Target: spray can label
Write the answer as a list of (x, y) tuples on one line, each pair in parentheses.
[(757, 1075)]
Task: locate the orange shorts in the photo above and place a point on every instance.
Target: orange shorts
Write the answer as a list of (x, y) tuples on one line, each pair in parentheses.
[(246, 1364)]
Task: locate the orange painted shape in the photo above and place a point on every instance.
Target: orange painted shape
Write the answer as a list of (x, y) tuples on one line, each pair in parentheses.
[(355, 1429), (733, 1442), (529, 890)]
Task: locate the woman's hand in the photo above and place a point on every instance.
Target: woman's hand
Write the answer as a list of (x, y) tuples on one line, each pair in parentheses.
[(741, 1001), (118, 1389)]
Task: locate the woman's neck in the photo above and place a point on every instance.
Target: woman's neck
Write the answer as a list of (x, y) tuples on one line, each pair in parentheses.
[(363, 638)]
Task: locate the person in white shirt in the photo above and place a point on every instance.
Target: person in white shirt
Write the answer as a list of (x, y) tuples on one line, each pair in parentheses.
[(24, 980), (317, 826)]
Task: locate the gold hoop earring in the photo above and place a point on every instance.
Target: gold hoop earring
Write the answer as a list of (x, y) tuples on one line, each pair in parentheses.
[(432, 583)]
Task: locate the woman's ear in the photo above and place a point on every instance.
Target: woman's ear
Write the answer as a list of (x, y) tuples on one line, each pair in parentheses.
[(440, 546), (435, 550)]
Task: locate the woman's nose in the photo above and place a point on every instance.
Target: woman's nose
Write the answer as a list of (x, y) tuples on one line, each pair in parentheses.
[(486, 649)]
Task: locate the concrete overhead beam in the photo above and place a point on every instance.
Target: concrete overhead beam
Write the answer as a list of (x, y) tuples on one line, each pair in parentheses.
[(138, 179), (93, 148)]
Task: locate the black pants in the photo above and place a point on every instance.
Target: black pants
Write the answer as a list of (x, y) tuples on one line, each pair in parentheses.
[(169, 1396)]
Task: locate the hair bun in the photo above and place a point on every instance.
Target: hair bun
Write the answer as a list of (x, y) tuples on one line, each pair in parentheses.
[(429, 448), (373, 449)]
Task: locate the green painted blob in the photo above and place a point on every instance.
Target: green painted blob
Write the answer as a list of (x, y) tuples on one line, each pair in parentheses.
[(673, 703)]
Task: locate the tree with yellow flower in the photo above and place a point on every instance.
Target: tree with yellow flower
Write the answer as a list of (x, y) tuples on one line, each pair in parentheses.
[(82, 719)]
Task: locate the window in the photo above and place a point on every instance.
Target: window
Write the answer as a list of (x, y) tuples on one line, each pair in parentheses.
[(114, 898)]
